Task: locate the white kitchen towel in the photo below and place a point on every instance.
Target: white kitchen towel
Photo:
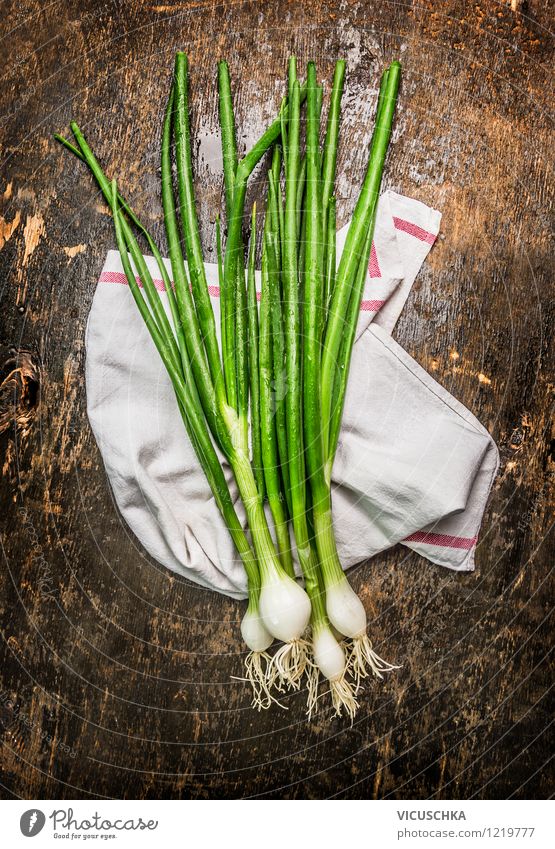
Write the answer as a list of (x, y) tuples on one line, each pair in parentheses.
[(413, 465)]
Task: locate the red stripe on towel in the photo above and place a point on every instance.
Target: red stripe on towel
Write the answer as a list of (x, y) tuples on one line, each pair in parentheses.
[(373, 265), (214, 291), (371, 306), (414, 230), (119, 277), (444, 540)]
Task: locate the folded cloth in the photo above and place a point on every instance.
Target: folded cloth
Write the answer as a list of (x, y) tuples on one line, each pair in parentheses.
[(412, 466)]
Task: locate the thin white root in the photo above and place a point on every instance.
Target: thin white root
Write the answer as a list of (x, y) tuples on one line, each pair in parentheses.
[(363, 660), (288, 665), (342, 694), (343, 697), (257, 668), (312, 681)]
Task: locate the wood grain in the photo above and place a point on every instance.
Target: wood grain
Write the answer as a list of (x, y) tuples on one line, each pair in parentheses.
[(116, 675)]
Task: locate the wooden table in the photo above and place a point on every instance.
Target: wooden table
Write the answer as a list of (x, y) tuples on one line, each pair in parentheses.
[(115, 677)]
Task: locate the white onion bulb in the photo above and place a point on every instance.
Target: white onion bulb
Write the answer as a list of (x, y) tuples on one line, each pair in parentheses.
[(255, 634), (345, 610), (328, 654), (284, 607)]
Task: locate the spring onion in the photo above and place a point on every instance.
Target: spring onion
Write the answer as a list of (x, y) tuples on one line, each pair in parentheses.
[(345, 610), (271, 396)]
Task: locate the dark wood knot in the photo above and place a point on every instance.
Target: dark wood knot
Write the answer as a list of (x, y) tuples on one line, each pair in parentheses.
[(19, 390)]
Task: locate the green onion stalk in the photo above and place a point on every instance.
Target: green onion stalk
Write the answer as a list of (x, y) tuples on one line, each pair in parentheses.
[(272, 385), (326, 361), (197, 316), (328, 655), (283, 604), (288, 668)]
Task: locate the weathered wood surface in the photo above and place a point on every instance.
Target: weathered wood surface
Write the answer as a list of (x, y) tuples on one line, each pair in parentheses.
[(115, 677)]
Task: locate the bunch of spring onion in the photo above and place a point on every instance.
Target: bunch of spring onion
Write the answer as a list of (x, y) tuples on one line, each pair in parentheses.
[(269, 400)]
